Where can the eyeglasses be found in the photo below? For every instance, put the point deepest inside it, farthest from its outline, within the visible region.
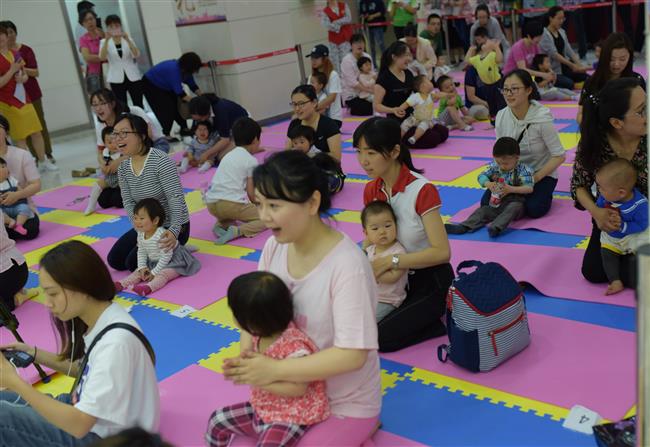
(296, 105)
(510, 91)
(121, 134)
(98, 104)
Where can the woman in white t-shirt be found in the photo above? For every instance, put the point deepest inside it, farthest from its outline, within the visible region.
(334, 297)
(116, 390)
(320, 61)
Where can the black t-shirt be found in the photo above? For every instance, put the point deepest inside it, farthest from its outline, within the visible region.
(396, 91)
(372, 7)
(559, 43)
(226, 112)
(326, 128)
(590, 89)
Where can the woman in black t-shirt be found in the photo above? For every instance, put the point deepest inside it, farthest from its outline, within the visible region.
(395, 81)
(328, 133)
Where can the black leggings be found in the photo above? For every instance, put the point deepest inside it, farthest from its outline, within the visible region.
(124, 254)
(164, 105)
(592, 263)
(110, 198)
(133, 87)
(418, 318)
(12, 280)
(31, 225)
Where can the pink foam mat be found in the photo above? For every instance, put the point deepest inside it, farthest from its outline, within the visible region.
(564, 178)
(273, 139)
(564, 112)
(554, 271)
(193, 179)
(353, 230)
(67, 198)
(350, 164)
(351, 198)
(445, 170)
(50, 233)
(567, 363)
(460, 147)
(203, 222)
(562, 218)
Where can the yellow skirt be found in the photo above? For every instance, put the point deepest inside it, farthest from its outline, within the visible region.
(22, 121)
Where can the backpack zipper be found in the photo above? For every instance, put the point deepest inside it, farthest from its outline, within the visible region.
(494, 332)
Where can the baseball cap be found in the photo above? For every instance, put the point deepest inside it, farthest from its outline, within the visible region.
(319, 51)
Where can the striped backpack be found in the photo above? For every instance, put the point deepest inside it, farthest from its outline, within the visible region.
(486, 317)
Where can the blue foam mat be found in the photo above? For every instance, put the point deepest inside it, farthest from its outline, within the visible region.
(524, 237)
(110, 229)
(456, 199)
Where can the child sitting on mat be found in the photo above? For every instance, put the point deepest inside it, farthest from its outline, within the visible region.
(302, 139)
(380, 227)
(155, 266)
(546, 89)
(231, 193)
(452, 112)
(280, 413)
(509, 180)
(367, 77)
(106, 191)
(422, 102)
(319, 81)
(616, 182)
(19, 212)
(204, 139)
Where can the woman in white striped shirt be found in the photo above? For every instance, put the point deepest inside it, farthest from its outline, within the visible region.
(146, 173)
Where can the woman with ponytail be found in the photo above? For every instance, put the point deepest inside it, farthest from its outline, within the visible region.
(613, 126)
(419, 228)
(146, 173)
(117, 389)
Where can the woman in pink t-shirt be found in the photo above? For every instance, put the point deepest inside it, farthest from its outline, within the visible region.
(524, 50)
(89, 47)
(334, 300)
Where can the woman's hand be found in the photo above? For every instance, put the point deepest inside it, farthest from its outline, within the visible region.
(607, 220)
(167, 241)
(9, 198)
(382, 265)
(400, 113)
(145, 274)
(251, 368)
(9, 378)
(24, 347)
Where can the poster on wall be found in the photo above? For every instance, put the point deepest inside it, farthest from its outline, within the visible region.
(194, 12)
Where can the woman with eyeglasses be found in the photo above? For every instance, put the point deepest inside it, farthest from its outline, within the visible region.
(614, 125)
(146, 173)
(305, 105)
(531, 124)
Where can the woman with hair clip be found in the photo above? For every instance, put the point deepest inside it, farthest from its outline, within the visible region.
(420, 230)
(616, 61)
(146, 173)
(614, 125)
(116, 389)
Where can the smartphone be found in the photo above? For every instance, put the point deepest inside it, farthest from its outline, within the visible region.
(19, 358)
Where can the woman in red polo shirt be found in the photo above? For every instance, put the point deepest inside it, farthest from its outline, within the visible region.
(419, 228)
(336, 18)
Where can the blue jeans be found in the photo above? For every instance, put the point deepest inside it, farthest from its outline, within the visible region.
(538, 203)
(376, 36)
(23, 426)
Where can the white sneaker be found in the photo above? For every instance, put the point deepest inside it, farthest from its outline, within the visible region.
(47, 165)
(468, 128)
(411, 140)
(204, 167)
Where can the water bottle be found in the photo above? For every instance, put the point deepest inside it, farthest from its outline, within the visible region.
(495, 197)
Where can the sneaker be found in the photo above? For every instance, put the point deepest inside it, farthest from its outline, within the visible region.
(468, 128)
(20, 229)
(231, 233)
(51, 158)
(453, 228)
(218, 231)
(411, 140)
(47, 165)
(204, 167)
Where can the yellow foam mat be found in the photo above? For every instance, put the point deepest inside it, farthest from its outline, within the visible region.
(569, 140)
(58, 384)
(439, 157)
(348, 216)
(469, 180)
(194, 201)
(34, 257)
(582, 245)
(227, 251)
(76, 219)
(214, 362)
(217, 313)
(388, 381)
(86, 181)
(630, 413)
(160, 305)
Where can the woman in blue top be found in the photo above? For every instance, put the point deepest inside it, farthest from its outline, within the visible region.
(163, 85)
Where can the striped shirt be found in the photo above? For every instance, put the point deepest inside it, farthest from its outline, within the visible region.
(149, 250)
(158, 180)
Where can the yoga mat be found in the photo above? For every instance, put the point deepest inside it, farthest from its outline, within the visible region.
(564, 112)
(273, 140)
(35, 327)
(102, 248)
(351, 198)
(348, 127)
(188, 398)
(446, 170)
(353, 230)
(564, 174)
(461, 147)
(567, 363)
(50, 233)
(256, 242)
(66, 198)
(193, 179)
(562, 218)
(554, 271)
(350, 164)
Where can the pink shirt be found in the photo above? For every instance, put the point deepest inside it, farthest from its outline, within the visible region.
(8, 251)
(395, 293)
(335, 306)
(520, 52)
(92, 43)
(22, 167)
(308, 409)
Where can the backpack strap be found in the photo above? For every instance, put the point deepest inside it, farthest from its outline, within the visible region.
(467, 264)
(521, 136)
(135, 331)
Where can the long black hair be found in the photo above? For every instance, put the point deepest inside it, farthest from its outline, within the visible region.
(396, 49)
(139, 126)
(106, 95)
(602, 74)
(382, 135)
(613, 101)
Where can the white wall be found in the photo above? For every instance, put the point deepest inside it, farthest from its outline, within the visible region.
(160, 27)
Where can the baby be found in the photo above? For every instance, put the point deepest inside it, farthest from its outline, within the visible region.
(380, 227)
(616, 182)
(14, 215)
(453, 113)
(548, 92)
(109, 154)
(302, 139)
(367, 77)
(508, 180)
(319, 81)
(204, 139)
(422, 102)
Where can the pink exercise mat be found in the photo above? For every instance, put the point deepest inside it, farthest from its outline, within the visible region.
(445, 170)
(567, 363)
(564, 178)
(50, 233)
(564, 112)
(350, 164)
(353, 230)
(193, 179)
(562, 218)
(554, 271)
(273, 140)
(203, 222)
(72, 198)
(351, 198)
(461, 147)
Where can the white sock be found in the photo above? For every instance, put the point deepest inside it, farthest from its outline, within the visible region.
(412, 140)
(205, 166)
(92, 200)
(185, 163)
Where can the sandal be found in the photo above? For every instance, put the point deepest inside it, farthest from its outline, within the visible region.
(77, 173)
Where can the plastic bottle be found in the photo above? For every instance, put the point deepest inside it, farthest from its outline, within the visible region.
(495, 197)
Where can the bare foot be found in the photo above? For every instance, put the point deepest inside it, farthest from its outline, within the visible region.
(615, 287)
(25, 295)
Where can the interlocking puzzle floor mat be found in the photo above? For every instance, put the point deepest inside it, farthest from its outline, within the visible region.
(583, 343)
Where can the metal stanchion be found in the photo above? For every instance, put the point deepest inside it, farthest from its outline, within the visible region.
(445, 27)
(643, 359)
(513, 18)
(212, 65)
(613, 16)
(301, 64)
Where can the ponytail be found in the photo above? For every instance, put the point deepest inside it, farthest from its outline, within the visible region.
(396, 49)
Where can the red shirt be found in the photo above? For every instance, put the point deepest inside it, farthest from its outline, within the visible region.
(8, 90)
(346, 31)
(31, 86)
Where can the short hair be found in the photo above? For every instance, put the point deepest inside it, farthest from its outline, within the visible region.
(84, 13)
(442, 79)
(200, 105)
(434, 16)
(205, 123)
(4, 29)
(357, 37)
(619, 172)
(111, 19)
(84, 5)
(417, 82)
(245, 130)
(320, 77)
(362, 60)
(482, 7)
(533, 29)
(190, 63)
(411, 30)
(553, 11)
(600, 43)
(374, 208)
(505, 146)
(306, 132)
(10, 25)
(153, 208)
(261, 303)
(481, 31)
(538, 60)
(106, 131)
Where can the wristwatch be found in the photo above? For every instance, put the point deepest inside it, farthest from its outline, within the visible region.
(395, 261)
